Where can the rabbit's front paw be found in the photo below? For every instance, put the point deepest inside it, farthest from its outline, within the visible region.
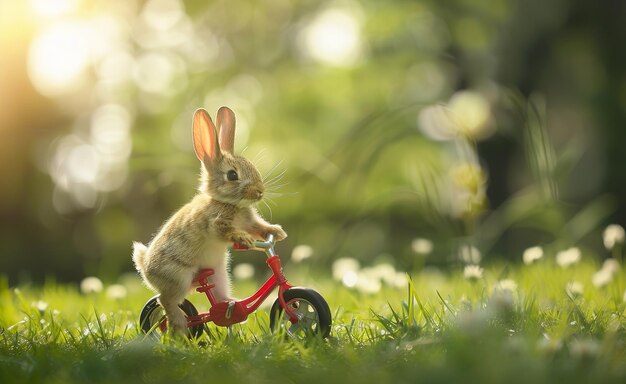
(277, 231)
(243, 238)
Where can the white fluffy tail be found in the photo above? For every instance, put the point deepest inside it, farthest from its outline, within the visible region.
(139, 256)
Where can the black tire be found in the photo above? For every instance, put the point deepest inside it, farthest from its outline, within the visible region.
(307, 304)
(153, 322)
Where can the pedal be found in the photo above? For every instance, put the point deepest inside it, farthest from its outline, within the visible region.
(229, 310)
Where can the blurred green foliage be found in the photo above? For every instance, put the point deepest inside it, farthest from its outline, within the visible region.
(95, 142)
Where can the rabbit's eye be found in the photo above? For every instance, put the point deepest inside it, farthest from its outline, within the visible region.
(232, 175)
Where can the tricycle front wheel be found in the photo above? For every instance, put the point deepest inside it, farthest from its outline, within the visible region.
(154, 323)
(312, 311)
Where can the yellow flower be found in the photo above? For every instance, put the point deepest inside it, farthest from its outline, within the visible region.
(469, 176)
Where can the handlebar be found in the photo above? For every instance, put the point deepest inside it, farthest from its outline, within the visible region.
(269, 242)
(267, 245)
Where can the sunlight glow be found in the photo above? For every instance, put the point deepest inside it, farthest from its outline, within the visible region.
(53, 8)
(163, 14)
(110, 131)
(163, 24)
(334, 38)
(155, 72)
(83, 163)
(82, 166)
(59, 58)
(115, 67)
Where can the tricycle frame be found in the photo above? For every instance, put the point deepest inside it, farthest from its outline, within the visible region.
(226, 313)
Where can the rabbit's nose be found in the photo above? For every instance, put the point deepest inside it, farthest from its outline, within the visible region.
(255, 193)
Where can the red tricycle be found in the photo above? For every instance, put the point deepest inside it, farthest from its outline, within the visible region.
(300, 312)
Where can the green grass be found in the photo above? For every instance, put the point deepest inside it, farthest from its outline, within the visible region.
(452, 331)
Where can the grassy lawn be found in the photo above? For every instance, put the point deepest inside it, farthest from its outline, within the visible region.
(529, 324)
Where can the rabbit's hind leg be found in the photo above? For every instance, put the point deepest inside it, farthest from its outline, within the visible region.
(170, 298)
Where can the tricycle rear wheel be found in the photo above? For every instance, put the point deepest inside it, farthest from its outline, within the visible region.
(153, 321)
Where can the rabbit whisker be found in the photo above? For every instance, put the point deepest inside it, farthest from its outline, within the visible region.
(275, 179)
(284, 193)
(268, 207)
(261, 152)
(269, 173)
(271, 201)
(261, 156)
(259, 160)
(271, 194)
(275, 187)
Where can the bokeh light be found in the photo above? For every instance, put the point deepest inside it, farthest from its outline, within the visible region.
(334, 37)
(59, 58)
(53, 8)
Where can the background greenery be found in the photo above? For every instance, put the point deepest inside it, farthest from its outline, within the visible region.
(473, 146)
(97, 100)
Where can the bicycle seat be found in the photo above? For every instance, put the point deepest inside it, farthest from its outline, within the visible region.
(203, 275)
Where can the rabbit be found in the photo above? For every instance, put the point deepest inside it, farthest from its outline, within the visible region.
(221, 213)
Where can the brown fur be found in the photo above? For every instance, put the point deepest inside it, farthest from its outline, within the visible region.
(197, 236)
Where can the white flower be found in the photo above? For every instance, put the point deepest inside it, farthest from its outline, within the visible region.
(350, 278)
(116, 292)
(506, 285)
(91, 285)
(469, 254)
(367, 282)
(384, 272)
(473, 272)
(613, 234)
(301, 252)
(611, 265)
(568, 257)
(364, 281)
(532, 254)
(422, 246)
(243, 271)
(401, 280)
(466, 114)
(605, 275)
(601, 278)
(40, 305)
(436, 123)
(345, 265)
(574, 288)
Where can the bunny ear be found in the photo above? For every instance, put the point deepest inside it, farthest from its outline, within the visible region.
(226, 128)
(205, 137)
